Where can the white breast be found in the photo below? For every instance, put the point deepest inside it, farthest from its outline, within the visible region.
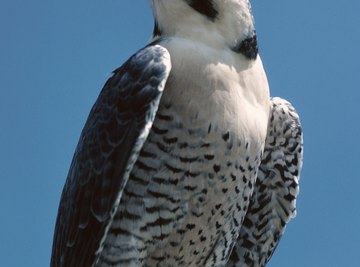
(215, 83)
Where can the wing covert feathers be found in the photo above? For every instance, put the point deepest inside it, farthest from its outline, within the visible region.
(273, 201)
(113, 135)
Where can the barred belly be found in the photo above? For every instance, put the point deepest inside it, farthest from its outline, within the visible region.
(186, 196)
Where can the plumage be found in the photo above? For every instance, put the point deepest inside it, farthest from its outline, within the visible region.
(113, 135)
(184, 159)
(273, 202)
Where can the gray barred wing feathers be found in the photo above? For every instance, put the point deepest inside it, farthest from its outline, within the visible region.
(273, 201)
(113, 135)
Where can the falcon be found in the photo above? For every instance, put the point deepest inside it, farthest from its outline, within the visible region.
(185, 159)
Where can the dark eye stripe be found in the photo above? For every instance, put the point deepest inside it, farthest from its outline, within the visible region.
(248, 47)
(205, 7)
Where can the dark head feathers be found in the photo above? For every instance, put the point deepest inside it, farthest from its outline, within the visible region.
(204, 7)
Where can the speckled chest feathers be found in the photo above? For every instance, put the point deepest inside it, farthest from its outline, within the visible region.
(189, 190)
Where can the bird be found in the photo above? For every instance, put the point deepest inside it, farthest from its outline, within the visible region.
(185, 158)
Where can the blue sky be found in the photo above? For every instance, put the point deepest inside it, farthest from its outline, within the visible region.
(56, 55)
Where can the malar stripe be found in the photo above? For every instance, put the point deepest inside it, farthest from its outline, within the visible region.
(248, 47)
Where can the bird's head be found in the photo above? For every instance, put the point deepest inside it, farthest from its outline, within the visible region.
(228, 22)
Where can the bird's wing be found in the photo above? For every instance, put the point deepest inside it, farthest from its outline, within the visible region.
(273, 201)
(113, 135)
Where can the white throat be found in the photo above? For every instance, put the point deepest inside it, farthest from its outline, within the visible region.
(233, 23)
